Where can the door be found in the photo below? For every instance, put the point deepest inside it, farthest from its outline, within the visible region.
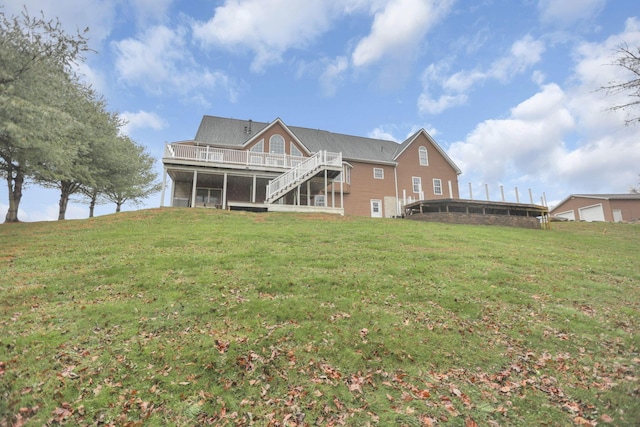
(617, 215)
(376, 208)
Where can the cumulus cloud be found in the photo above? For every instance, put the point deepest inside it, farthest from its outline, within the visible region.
(333, 75)
(159, 61)
(564, 138)
(398, 28)
(141, 120)
(523, 54)
(268, 28)
(563, 14)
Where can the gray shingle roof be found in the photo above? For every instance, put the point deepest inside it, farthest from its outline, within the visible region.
(233, 133)
(624, 196)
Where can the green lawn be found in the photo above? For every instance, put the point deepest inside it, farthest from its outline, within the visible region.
(203, 317)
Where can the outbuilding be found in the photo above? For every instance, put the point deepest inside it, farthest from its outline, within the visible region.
(599, 207)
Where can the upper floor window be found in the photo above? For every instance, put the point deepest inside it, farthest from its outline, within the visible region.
(437, 187)
(294, 150)
(258, 148)
(378, 173)
(424, 157)
(276, 144)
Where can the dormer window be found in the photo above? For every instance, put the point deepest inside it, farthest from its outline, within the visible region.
(424, 157)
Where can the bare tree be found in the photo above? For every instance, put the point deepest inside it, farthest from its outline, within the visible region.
(629, 59)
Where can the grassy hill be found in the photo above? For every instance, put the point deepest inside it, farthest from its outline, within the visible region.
(203, 317)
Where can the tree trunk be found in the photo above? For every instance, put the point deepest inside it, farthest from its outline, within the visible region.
(92, 203)
(118, 206)
(65, 192)
(14, 184)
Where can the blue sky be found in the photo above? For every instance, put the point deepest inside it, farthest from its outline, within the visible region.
(509, 88)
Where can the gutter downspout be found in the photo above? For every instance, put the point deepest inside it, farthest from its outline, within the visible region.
(395, 177)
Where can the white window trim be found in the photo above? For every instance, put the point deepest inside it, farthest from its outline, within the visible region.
(437, 182)
(279, 138)
(424, 161)
(294, 151)
(381, 173)
(258, 147)
(419, 182)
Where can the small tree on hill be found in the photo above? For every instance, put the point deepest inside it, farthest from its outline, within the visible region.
(35, 79)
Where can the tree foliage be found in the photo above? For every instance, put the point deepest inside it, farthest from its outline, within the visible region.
(628, 59)
(57, 131)
(36, 81)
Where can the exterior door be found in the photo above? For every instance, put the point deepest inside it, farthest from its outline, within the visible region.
(376, 208)
(617, 215)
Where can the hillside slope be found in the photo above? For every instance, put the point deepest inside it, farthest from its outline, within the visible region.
(203, 317)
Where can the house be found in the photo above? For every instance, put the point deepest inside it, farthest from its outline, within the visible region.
(599, 207)
(243, 164)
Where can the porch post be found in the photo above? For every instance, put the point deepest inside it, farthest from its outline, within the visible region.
(253, 195)
(224, 192)
(193, 188)
(309, 193)
(342, 194)
(164, 185)
(298, 195)
(325, 189)
(333, 194)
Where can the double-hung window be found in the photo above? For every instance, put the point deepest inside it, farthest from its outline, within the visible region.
(417, 184)
(437, 187)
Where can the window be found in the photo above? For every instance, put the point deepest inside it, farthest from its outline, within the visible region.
(318, 200)
(417, 184)
(294, 151)
(424, 157)
(276, 144)
(257, 159)
(378, 173)
(437, 187)
(258, 148)
(346, 172)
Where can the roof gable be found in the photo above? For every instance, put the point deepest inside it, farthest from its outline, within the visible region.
(240, 133)
(401, 149)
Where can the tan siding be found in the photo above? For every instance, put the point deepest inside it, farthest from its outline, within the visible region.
(288, 139)
(630, 208)
(364, 188)
(409, 166)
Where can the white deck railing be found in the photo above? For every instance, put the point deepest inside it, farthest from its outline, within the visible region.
(235, 157)
(321, 158)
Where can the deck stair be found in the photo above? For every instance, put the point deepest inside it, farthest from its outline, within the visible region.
(304, 171)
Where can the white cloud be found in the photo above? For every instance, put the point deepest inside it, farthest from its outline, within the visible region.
(268, 28)
(563, 14)
(523, 53)
(333, 75)
(74, 15)
(141, 120)
(159, 61)
(398, 28)
(380, 133)
(564, 139)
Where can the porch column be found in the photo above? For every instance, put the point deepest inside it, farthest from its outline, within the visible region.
(193, 188)
(298, 195)
(164, 185)
(342, 194)
(253, 195)
(333, 194)
(326, 190)
(309, 193)
(224, 192)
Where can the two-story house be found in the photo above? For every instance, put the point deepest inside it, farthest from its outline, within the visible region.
(243, 164)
